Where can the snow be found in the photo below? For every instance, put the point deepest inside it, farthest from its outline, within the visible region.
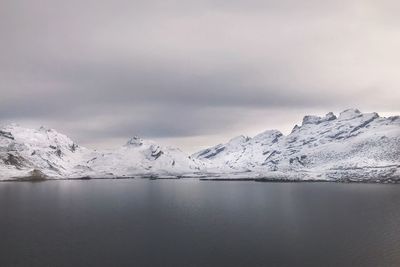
(24, 150)
(353, 146)
(321, 148)
(145, 158)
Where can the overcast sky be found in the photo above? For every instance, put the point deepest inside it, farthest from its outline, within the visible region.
(193, 73)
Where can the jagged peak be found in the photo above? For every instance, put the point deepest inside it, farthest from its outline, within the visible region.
(268, 133)
(239, 139)
(330, 116)
(134, 141)
(311, 119)
(394, 118)
(17, 127)
(295, 128)
(349, 113)
(46, 129)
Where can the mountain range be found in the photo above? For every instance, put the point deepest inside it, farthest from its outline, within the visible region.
(353, 146)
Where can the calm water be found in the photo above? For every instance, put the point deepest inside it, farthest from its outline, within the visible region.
(198, 223)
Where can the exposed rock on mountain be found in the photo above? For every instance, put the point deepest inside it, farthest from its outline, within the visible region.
(145, 158)
(353, 146)
(25, 153)
(23, 150)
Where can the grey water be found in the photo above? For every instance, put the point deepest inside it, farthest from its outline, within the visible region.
(141, 222)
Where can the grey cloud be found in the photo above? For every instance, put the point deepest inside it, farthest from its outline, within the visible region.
(189, 68)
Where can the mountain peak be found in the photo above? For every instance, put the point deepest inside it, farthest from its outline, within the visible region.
(349, 114)
(310, 119)
(134, 141)
(330, 116)
(44, 129)
(239, 139)
(268, 134)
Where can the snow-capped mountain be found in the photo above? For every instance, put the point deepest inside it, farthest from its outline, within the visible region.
(25, 152)
(45, 153)
(352, 146)
(142, 157)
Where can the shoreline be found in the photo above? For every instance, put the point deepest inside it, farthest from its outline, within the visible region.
(203, 179)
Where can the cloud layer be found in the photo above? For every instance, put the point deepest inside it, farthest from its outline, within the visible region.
(102, 71)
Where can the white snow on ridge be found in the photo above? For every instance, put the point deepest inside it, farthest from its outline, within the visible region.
(23, 150)
(353, 146)
(140, 157)
(45, 153)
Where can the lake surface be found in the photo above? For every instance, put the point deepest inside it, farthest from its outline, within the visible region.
(141, 222)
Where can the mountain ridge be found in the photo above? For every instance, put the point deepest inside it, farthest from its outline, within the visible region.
(352, 146)
(328, 148)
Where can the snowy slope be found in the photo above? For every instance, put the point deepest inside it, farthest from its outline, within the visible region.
(24, 150)
(45, 153)
(142, 157)
(351, 146)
